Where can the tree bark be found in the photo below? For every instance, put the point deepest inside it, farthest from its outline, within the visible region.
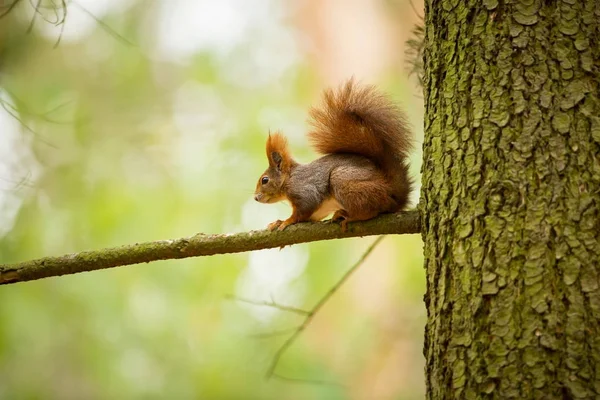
(510, 199)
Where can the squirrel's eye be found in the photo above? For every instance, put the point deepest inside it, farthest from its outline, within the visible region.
(264, 180)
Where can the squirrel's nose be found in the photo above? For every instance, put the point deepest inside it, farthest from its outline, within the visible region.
(257, 197)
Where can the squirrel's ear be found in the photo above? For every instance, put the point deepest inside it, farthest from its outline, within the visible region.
(277, 159)
(277, 152)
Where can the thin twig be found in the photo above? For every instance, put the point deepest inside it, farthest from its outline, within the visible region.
(36, 11)
(271, 303)
(20, 107)
(22, 182)
(317, 307)
(10, 7)
(56, 108)
(12, 111)
(205, 245)
(104, 25)
(412, 5)
(61, 22)
(267, 335)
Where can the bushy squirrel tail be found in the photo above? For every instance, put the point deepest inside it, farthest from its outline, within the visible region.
(358, 119)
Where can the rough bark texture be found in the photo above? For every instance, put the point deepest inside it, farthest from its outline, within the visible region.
(204, 245)
(510, 199)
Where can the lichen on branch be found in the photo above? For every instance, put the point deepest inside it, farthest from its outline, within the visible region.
(204, 245)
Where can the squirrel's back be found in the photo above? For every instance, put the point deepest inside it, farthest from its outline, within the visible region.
(358, 119)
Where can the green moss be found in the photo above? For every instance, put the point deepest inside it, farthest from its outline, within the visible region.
(508, 192)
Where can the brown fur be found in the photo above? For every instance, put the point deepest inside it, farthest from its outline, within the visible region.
(360, 120)
(366, 143)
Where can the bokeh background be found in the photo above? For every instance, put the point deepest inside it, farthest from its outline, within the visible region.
(146, 121)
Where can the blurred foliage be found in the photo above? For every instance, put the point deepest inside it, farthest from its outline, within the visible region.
(118, 142)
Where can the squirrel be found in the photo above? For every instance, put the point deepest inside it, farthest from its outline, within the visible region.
(363, 172)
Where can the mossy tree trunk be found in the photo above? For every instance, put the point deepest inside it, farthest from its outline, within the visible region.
(510, 199)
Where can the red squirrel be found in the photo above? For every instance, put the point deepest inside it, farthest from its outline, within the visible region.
(363, 172)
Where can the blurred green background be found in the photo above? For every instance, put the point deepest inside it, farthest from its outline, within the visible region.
(147, 121)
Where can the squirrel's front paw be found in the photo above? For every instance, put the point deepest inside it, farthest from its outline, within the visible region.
(274, 225)
(285, 224)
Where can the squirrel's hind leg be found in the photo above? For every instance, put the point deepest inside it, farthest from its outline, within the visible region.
(343, 218)
(362, 200)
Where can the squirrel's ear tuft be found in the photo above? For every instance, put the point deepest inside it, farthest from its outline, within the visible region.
(277, 152)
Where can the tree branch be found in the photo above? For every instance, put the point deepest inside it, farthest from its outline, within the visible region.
(204, 245)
